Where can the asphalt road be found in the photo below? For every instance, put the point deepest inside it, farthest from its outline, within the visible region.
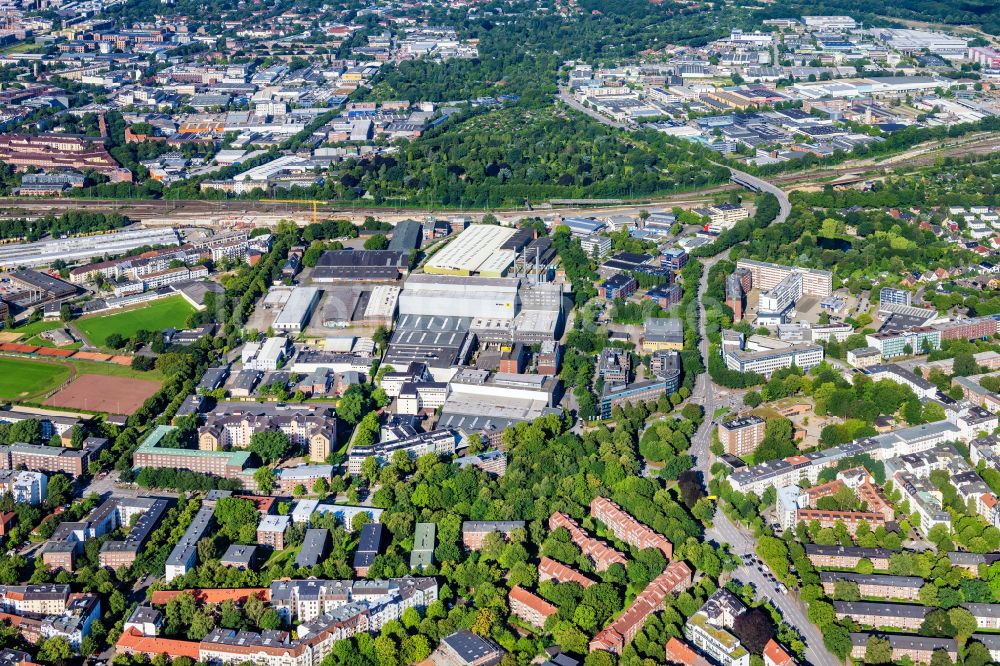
(723, 530)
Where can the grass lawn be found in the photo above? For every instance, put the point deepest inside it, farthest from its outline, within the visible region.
(39, 341)
(34, 328)
(171, 312)
(21, 379)
(111, 370)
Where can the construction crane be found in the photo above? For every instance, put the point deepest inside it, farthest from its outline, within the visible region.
(314, 203)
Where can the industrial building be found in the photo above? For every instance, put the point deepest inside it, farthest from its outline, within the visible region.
(297, 310)
(479, 250)
(493, 298)
(76, 248)
(361, 266)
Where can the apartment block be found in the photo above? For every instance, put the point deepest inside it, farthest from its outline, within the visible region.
(474, 532)
(874, 585)
(549, 569)
(627, 528)
(614, 637)
(708, 629)
(602, 555)
(741, 436)
(530, 607)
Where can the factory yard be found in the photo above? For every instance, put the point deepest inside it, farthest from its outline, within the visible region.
(22, 379)
(171, 312)
(102, 393)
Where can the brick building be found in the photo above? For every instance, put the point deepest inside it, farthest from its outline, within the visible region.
(614, 637)
(627, 528)
(530, 607)
(602, 555)
(549, 569)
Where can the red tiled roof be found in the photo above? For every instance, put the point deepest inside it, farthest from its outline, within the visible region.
(213, 595)
(533, 601)
(133, 641)
(550, 569)
(775, 655)
(679, 652)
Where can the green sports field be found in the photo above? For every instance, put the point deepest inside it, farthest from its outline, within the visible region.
(26, 380)
(170, 312)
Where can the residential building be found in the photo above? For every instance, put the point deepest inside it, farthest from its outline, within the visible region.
(232, 425)
(627, 528)
(530, 607)
(874, 585)
(602, 555)
(918, 649)
(620, 632)
(475, 531)
(549, 569)
(708, 629)
(741, 436)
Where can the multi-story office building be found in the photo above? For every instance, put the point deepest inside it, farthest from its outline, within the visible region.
(414, 444)
(782, 296)
(916, 340)
(980, 328)
(888, 295)
(804, 356)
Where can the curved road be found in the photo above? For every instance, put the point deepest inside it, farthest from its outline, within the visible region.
(761, 185)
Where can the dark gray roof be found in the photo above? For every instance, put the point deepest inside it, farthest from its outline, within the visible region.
(313, 548)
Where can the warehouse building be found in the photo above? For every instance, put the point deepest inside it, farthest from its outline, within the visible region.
(361, 266)
(297, 310)
(479, 250)
(492, 298)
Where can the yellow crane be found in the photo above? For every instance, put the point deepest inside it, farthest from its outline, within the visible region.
(314, 203)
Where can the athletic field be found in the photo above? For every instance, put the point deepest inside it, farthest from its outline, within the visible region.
(171, 312)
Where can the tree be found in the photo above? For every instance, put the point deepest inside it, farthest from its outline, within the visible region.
(754, 628)
(270, 445)
(321, 487)
(352, 405)
(232, 514)
(752, 399)
(115, 341)
(60, 490)
(878, 651)
(964, 623)
(269, 619)
(55, 650)
(937, 623)
(376, 242)
(940, 658)
(264, 478)
(837, 640)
